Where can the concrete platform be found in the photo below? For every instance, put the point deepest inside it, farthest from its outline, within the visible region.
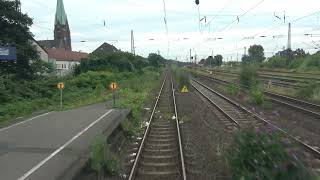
(53, 145)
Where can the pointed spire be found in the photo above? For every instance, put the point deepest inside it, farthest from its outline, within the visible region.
(61, 16)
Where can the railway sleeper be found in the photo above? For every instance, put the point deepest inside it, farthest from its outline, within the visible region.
(161, 175)
(160, 145)
(161, 132)
(161, 140)
(160, 159)
(149, 151)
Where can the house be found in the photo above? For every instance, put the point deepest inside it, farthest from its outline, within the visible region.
(65, 60)
(105, 47)
(42, 52)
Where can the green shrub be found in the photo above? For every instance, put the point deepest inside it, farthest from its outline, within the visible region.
(233, 90)
(115, 61)
(103, 161)
(276, 61)
(182, 78)
(256, 95)
(249, 76)
(310, 92)
(21, 97)
(308, 62)
(260, 155)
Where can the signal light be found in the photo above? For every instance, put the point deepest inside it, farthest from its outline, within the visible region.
(197, 2)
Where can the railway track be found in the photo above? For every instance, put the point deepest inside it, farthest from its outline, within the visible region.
(265, 79)
(160, 154)
(282, 77)
(236, 116)
(303, 106)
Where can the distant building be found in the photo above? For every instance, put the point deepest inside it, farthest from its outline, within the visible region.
(105, 47)
(289, 52)
(62, 38)
(65, 60)
(42, 52)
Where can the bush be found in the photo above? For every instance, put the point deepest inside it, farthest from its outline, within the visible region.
(249, 76)
(311, 92)
(307, 62)
(114, 62)
(233, 90)
(103, 161)
(256, 95)
(276, 62)
(182, 78)
(260, 155)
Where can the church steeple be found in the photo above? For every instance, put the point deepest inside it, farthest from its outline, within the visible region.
(61, 16)
(61, 28)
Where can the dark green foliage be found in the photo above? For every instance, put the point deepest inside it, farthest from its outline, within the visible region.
(305, 62)
(256, 95)
(21, 97)
(233, 90)
(116, 61)
(212, 61)
(310, 92)
(102, 159)
(261, 155)
(249, 80)
(249, 76)
(218, 58)
(182, 78)
(256, 55)
(156, 60)
(15, 31)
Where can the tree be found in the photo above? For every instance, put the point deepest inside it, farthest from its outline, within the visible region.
(218, 59)
(155, 59)
(256, 53)
(202, 61)
(245, 59)
(209, 61)
(15, 32)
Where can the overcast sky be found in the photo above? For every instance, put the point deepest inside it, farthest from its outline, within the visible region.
(146, 17)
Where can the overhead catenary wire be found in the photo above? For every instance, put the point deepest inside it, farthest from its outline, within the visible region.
(166, 26)
(278, 25)
(240, 16)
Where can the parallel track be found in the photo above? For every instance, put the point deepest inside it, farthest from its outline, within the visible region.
(266, 79)
(242, 117)
(160, 155)
(288, 78)
(303, 106)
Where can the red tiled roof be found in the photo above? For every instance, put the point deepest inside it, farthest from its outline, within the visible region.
(65, 55)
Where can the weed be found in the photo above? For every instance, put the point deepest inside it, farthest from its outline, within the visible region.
(256, 95)
(103, 161)
(262, 155)
(25, 97)
(249, 76)
(233, 90)
(310, 92)
(182, 78)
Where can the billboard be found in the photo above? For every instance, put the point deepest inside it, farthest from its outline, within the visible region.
(8, 53)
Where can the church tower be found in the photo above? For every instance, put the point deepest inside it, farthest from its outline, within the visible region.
(62, 39)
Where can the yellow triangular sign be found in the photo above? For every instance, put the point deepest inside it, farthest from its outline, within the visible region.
(184, 89)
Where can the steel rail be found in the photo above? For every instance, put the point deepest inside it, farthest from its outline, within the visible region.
(265, 80)
(217, 106)
(298, 101)
(179, 134)
(135, 165)
(311, 149)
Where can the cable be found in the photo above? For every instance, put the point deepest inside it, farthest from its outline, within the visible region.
(255, 6)
(166, 25)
